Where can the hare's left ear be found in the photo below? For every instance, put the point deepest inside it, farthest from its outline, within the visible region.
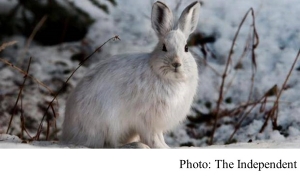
(188, 20)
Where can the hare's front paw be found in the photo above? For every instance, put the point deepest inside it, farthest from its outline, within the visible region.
(154, 140)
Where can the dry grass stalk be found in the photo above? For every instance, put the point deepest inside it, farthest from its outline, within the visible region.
(229, 60)
(27, 75)
(19, 95)
(238, 65)
(22, 118)
(32, 35)
(273, 114)
(255, 42)
(40, 128)
(4, 45)
(261, 101)
(240, 110)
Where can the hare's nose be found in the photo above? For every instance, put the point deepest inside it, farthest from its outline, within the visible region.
(176, 64)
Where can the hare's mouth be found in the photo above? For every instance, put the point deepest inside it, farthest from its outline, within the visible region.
(178, 73)
(176, 70)
(172, 72)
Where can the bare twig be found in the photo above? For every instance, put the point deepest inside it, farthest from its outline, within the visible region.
(22, 118)
(27, 75)
(244, 116)
(4, 45)
(262, 101)
(19, 95)
(220, 99)
(65, 83)
(239, 63)
(32, 35)
(35, 30)
(275, 109)
(255, 42)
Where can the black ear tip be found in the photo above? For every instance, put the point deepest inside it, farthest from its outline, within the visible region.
(159, 3)
(195, 3)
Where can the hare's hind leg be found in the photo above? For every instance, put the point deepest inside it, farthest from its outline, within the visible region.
(162, 140)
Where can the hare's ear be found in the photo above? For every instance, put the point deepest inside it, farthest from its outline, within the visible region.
(161, 18)
(188, 20)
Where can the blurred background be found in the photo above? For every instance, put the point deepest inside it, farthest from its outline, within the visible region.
(58, 34)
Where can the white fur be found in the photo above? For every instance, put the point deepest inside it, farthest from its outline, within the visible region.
(133, 96)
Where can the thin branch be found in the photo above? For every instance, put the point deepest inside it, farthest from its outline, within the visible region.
(239, 62)
(255, 42)
(19, 95)
(27, 75)
(4, 45)
(220, 99)
(22, 118)
(66, 82)
(32, 35)
(244, 116)
(274, 110)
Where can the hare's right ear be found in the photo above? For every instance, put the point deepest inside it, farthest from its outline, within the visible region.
(189, 18)
(162, 19)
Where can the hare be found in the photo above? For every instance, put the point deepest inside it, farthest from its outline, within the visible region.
(137, 97)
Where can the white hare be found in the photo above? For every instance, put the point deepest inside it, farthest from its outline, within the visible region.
(137, 96)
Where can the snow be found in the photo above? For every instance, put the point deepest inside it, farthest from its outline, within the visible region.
(292, 142)
(10, 141)
(278, 28)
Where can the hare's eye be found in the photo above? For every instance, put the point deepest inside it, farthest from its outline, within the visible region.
(186, 48)
(164, 48)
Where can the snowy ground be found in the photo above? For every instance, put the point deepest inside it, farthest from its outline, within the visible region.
(9, 141)
(278, 28)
